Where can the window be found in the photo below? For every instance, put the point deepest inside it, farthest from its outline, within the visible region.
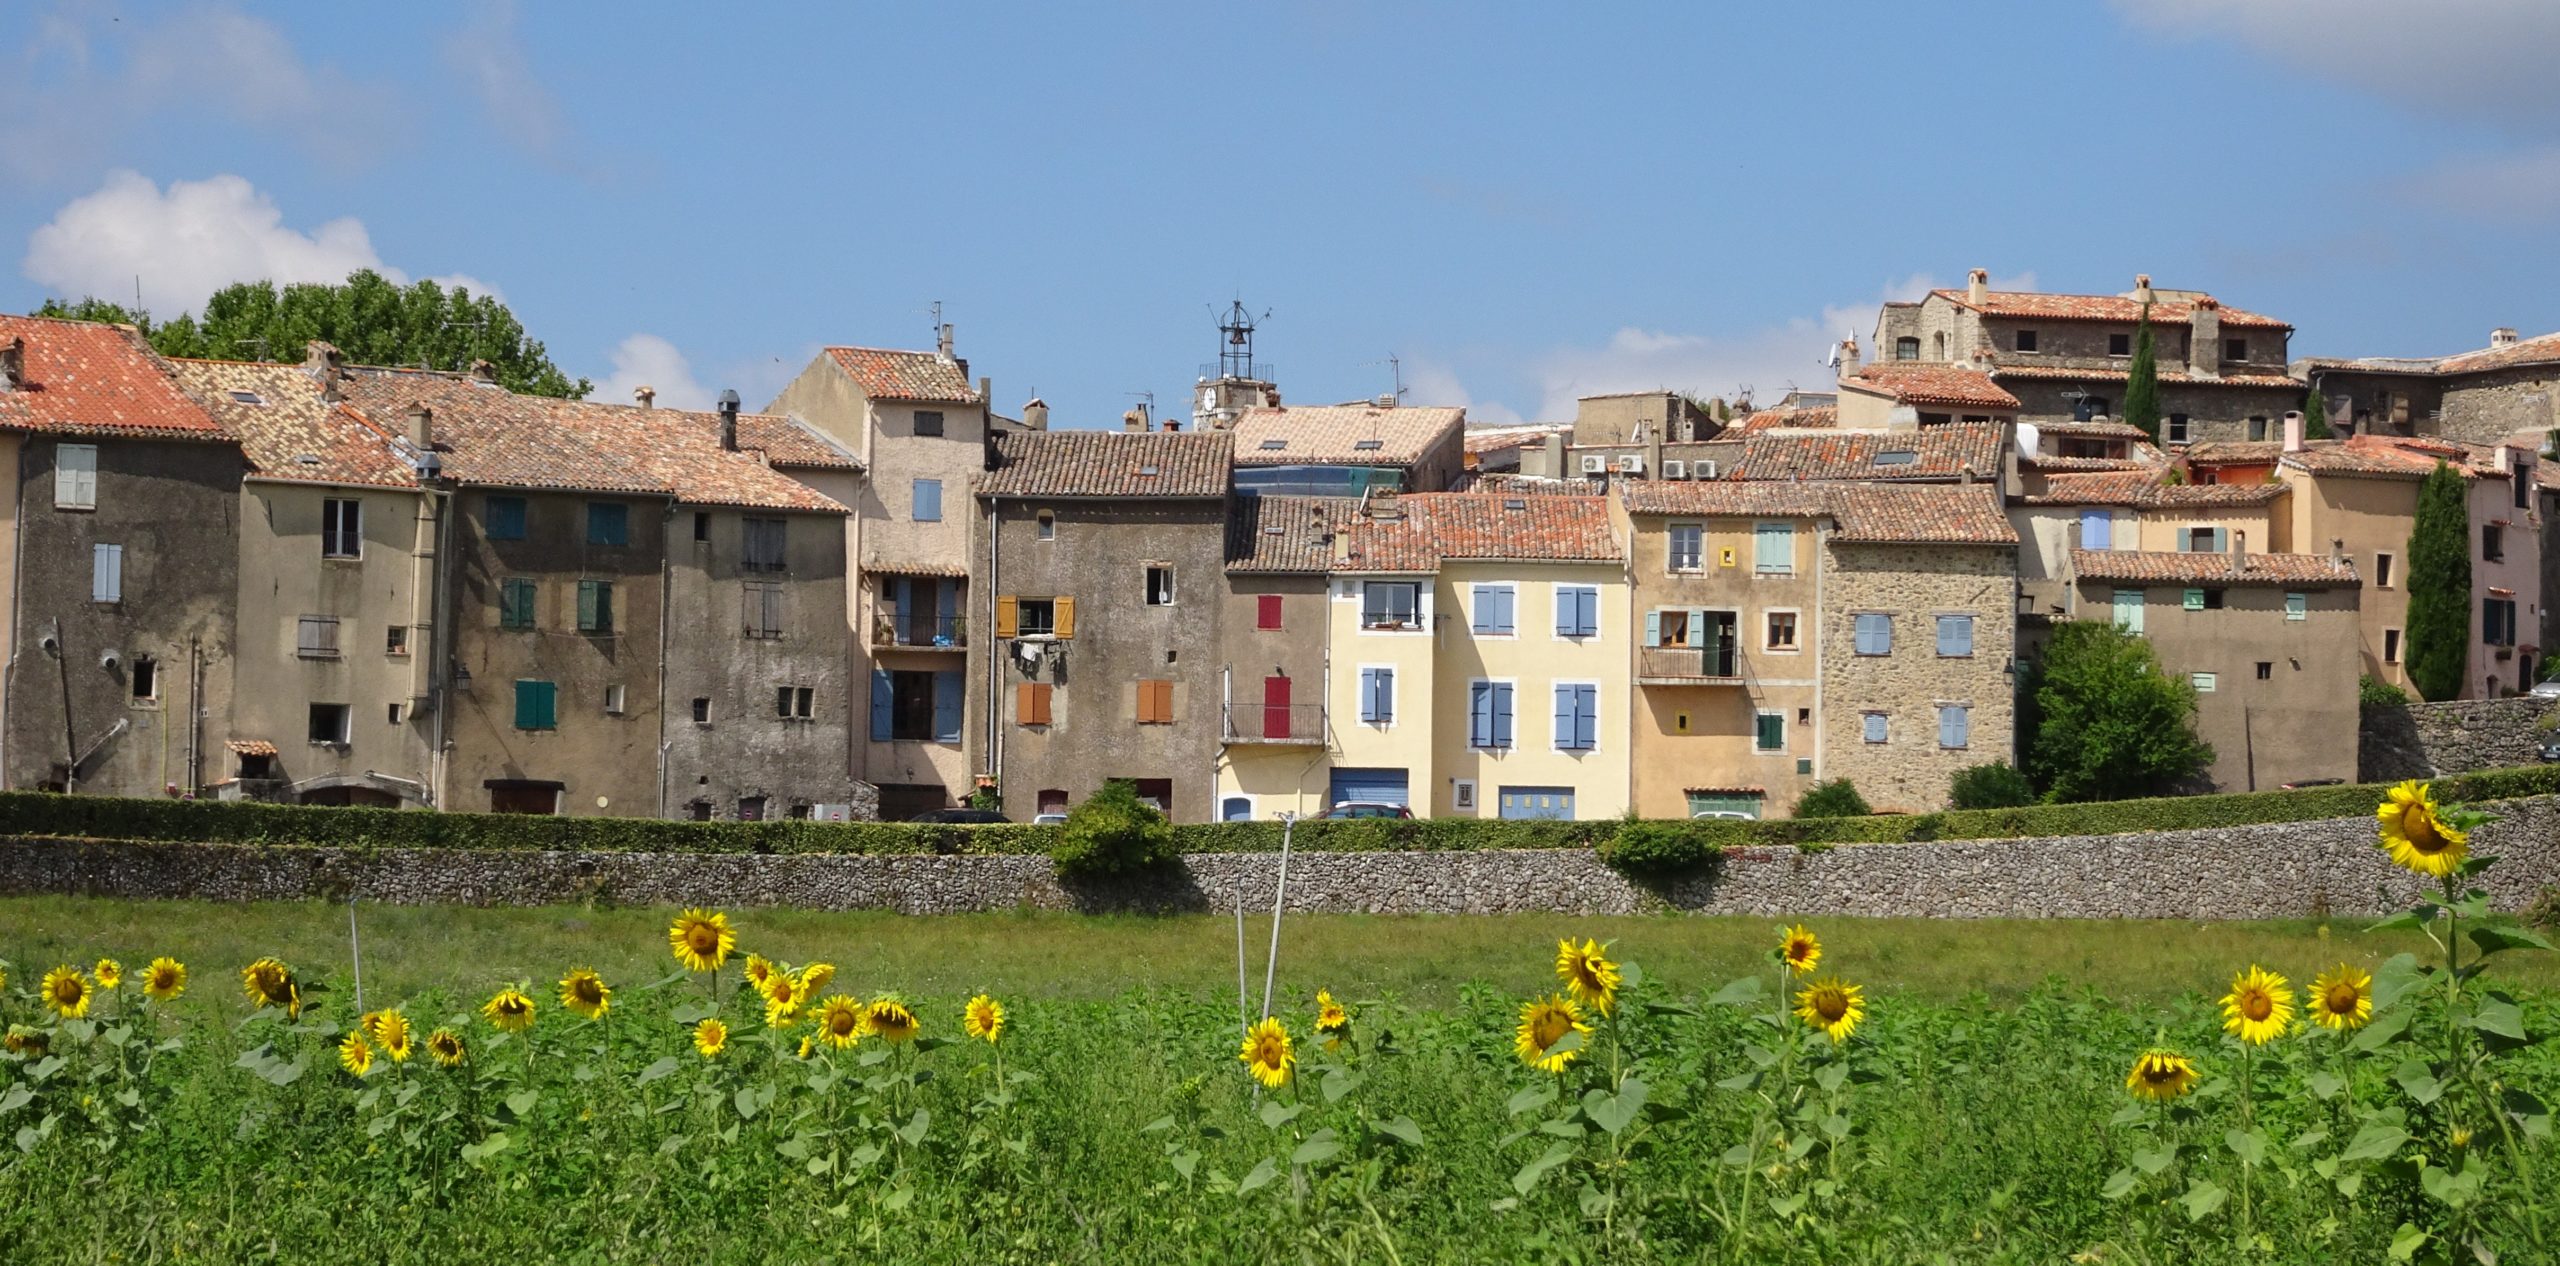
(2205, 540)
(106, 573)
(1377, 696)
(1034, 617)
(341, 528)
(2257, 428)
(763, 614)
(2235, 349)
(761, 544)
(2026, 341)
(1235, 809)
(928, 421)
(329, 724)
(1160, 586)
(702, 525)
(2498, 621)
(2085, 409)
(2176, 430)
(1906, 348)
(1955, 636)
(1155, 701)
(2382, 571)
(75, 477)
(536, 705)
(1871, 726)
(1390, 604)
(2202, 600)
(2297, 606)
(2203, 682)
(1955, 725)
(613, 697)
(1489, 714)
(916, 706)
(2128, 610)
(2493, 543)
(1031, 703)
(2119, 345)
(1896, 457)
(316, 637)
(924, 501)
(1874, 634)
(1266, 611)
(393, 712)
(2391, 646)
(751, 808)
(1782, 631)
(1769, 732)
(2266, 670)
(1045, 527)
(1577, 611)
(2097, 529)
(2522, 481)
(1462, 794)
(698, 810)
(1493, 610)
(395, 640)
(515, 603)
(146, 680)
(1577, 716)
(702, 709)
(595, 606)
(1773, 548)
(794, 703)
(1688, 544)
(608, 523)
(502, 518)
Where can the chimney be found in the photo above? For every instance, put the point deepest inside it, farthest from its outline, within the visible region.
(1555, 455)
(1849, 356)
(422, 428)
(2503, 336)
(13, 363)
(2142, 288)
(484, 373)
(945, 349)
(2239, 550)
(2293, 424)
(1977, 287)
(1035, 415)
(322, 359)
(987, 394)
(1135, 419)
(645, 396)
(729, 420)
(2204, 338)
(2337, 551)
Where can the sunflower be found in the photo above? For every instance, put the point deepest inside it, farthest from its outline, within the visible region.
(2160, 1075)
(702, 939)
(2417, 835)
(109, 972)
(1799, 949)
(1833, 1006)
(585, 992)
(509, 1009)
(2342, 997)
(2259, 1007)
(269, 983)
(782, 1002)
(1544, 1022)
(760, 972)
(446, 1046)
(1266, 1055)
(840, 1021)
(32, 1043)
(814, 979)
(709, 1037)
(67, 992)
(391, 1030)
(1333, 1020)
(1591, 979)
(164, 979)
(808, 1043)
(355, 1054)
(983, 1018)
(890, 1019)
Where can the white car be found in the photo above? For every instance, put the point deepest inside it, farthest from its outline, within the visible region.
(1050, 819)
(2546, 690)
(1724, 815)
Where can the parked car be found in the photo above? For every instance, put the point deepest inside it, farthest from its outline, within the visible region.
(1049, 819)
(2550, 750)
(1367, 809)
(1722, 815)
(2546, 689)
(961, 817)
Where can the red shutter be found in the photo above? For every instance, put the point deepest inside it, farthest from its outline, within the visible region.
(1270, 612)
(1275, 705)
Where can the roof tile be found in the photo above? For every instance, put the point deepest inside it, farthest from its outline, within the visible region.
(1284, 534)
(1922, 382)
(1108, 464)
(1343, 434)
(2057, 307)
(86, 378)
(289, 431)
(1867, 513)
(923, 377)
(2164, 567)
(1938, 452)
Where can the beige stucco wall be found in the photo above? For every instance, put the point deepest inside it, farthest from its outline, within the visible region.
(1914, 584)
(1406, 742)
(1292, 776)
(2299, 723)
(2499, 670)
(2166, 529)
(2370, 517)
(1535, 660)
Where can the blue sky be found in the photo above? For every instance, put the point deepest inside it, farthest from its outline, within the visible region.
(1519, 202)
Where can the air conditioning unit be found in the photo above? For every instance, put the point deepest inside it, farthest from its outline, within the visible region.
(1631, 465)
(1702, 470)
(1594, 464)
(1675, 469)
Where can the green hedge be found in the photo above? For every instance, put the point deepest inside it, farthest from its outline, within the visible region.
(108, 817)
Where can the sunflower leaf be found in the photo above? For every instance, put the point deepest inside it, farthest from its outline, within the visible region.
(2499, 1018)
(2378, 1139)
(1157, 1126)
(664, 1067)
(2494, 937)
(1740, 993)
(2119, 1184)
(1531, 1099)
(2419, 1081)
(1401, 1129)
(1530, 1174)
(1337, 1083)
(2154, 1160)
(2327, 1084)
(1321, 1146)
(2397, 975)
(1259, 1177)
(2385, 1029)
(1830, 1076)
(2406, 1243)
(2248, 1145)
(912, 1132)
(2202, 1198)
(485, 1148)
(2406, 921)
(17, 1098)
(1614, 1113)
(748, 1104)
(1276, 1114)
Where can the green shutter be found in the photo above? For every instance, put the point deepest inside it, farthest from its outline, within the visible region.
(1773, 732)
(536, 705)
(515, 604)
(2195, 600)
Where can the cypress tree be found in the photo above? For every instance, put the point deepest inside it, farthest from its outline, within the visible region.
(2438, 641)
(2142, 385)
(2315, 415)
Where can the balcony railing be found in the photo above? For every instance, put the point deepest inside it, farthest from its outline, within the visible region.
(920, 632)
(1298, 724)
(1707, 665)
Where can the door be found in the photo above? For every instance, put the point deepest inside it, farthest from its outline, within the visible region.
(1370, 786)
(1275, 707)
(1537, 802)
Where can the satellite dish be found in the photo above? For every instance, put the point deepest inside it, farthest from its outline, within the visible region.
(1831, 359)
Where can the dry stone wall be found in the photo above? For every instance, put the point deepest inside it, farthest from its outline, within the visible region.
(2423, 740)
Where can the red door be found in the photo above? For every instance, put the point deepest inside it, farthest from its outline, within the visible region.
(1275, 707)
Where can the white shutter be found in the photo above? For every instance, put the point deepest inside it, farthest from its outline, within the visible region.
(106, 575)
(75, 475)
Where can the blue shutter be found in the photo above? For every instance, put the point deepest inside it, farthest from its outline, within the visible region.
(947, 700)
(883, 698)
(1480, 714)
(1589, 613)
(1586, 717)
(1653, 628)
(1955, 635)
(901, 590)
(106, 573)
(1565, 727)
(1501, 715)
(946, 613)
(926, 506)
(2097, 529)
(1368, 696)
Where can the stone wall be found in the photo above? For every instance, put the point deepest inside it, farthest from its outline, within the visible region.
(1913, 585)
(2423, 740)
(2289, 869)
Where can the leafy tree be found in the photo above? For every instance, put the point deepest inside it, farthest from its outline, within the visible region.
(2315, 415)
(2142, 383)
(1837, 798)
(2374, 692)
(373, 321)
(2438, 641)
(1997, 785)
(2109, 724)
(1111, 833)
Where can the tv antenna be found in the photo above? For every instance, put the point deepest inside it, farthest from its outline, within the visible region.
(1395, 366)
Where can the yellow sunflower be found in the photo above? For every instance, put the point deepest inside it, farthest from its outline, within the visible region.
(840, 1021)
(269, 983)
(1799, 949)
(164, 979)
(1833, 1006)
(32, 1043)
(760, 972)
(1333, 1020)
(2342, 997)
(702, 939)
(983, 1018)
(509, 1009)
(1544, 1022)
(585, 992)
(355, 1054)
(814, 979)
(709, 1037)
(1266, 1053)
(2259, 1007)
(391, 1031)
(109, 972)
(67, 992)
(890, 1019)
(1590, 978)
(2160, 1075)
(2415, 831)
(446, 1046)
(808, 1043)
(782, 1002)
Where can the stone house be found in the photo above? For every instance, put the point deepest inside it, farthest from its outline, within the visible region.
(1908, 395)
(1634, 435)
(2509, 389)
(123, 515)
(2267, 641)
(1275, 655)
(1104, 599)
(1348, 449)
(1953, 453)
(2129, 510)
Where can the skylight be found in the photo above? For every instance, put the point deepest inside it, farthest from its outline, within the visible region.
(1274, 445)
(1899, 457)
(248, 397)
(1364, 445)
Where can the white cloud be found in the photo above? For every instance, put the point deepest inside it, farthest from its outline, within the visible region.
(464, 281)
(648, 360)
(2485, 61)
(491, 60)
(1428, 382)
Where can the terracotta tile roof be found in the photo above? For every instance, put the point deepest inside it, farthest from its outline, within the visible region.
(1920, 382)
(2065, 373)
(1714, 498)
(790, 444)
(2538, 350)
(251, 747)
(1940, 514)
(1284, 534)
(2093, 430)
(289, 432)
(1513, 484)
(1108, 464)
(2036, 305)
(2391, 457)
(84, 378)
(2235, 452)
(1806, 419)
(2142, 489)
(2125, 566)
(922, 377)
(1938, 452)
(2086, 463)
(874, 563)
(1422, 529)
(1335, 434)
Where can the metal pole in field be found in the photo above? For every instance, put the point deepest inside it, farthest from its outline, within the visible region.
(1279, 895)
(355, 951)
(1244, 1017)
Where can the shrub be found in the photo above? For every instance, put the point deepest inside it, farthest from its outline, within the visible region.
(1661, 848)
(1837, 798)
(1112, 833)
(2109, 724)
(1997, 785)
(2374, 692)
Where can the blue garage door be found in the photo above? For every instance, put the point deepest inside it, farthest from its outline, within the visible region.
(1371, 786)
(1538, 802)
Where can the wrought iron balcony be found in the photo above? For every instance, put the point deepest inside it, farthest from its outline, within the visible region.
(920, 632)
(1285, 724)
(1690, 665)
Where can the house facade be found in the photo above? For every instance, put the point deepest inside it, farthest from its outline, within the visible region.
(1276, 656)
(2510, 388)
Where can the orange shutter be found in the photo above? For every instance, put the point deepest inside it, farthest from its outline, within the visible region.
(1164, 701)
(1031, 703)
(1155, 701)
(1008, 617)
(1066, 618)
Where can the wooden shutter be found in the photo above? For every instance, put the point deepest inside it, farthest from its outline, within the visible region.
(1031, 703)
(949, 700)
(1275, 707)
(884, 688)
(1155, 701)
(1008, 616)
(106, 573)
(1066, 619)
(1268, 615)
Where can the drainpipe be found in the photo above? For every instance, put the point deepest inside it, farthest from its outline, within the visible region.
(70, 742)
(195, 715)
(995, 651)
(439, 647)
(666, 595)
(17, 586)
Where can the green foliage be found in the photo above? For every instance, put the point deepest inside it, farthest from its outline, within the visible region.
(1837, 798)
(2315, 416)
(1660, 848)
(2109, 724)
(1112, 833)
(367, 317)
(2142, 381)
(2437, 645)
(1997, 785)
(2374, 692)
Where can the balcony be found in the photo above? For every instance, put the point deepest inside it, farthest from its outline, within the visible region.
(920, 632)
(1689, 666)
(1275, 724)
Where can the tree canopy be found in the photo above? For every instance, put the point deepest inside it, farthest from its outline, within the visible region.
(2438, 639)
(2108, 723)
(370, 319)
(2142, 381)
